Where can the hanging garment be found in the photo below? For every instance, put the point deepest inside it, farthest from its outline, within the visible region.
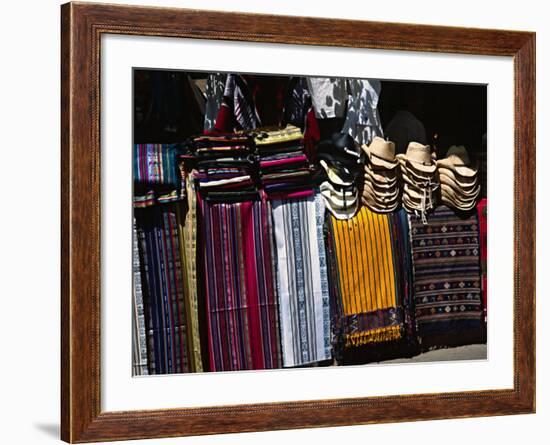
(139, 337)
(482, 217)
(371, 311)
(297, 102)
(243, 331)
(362, 119)
(253, 101)
(356, 100)
(447, 278)
(302, 280)
(187, 229)
(163, 289)
(215, 86)
(328, 96)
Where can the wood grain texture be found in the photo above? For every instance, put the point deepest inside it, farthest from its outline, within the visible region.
(81, 28)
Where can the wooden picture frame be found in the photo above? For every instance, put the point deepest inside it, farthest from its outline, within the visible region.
(82, 26)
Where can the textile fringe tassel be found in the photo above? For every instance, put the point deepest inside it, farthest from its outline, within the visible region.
(374, 336)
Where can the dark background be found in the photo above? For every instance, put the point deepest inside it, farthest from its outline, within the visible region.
(167, 110)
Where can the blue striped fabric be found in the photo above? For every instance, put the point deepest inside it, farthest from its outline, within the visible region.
(156, 164)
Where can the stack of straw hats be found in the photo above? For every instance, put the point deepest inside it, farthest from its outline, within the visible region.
(419, 173)
(458, 179)
(381, 187)
(341, 160)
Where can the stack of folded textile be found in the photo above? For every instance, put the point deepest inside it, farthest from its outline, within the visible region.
(284, 168)
(155, 174)
(381, 188)
(418, 170)
(341, 160)
(458, 179)
(224, 166)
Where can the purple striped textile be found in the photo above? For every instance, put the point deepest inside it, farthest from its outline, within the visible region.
(163, 289)
(241, 299)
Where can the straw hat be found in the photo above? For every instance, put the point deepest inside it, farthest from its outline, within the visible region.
(457, 160)
(450, 195)
(381, 153)
(383, 178)
(378, 192)
(467, 191)
(450, 175)
(464, 206)
(414, 204)
(372, 204)
(418, 158)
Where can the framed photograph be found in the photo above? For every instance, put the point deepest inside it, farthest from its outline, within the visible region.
(274, 222)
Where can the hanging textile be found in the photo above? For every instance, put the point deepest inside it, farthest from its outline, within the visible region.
(302, 280)
(215, 86)
(401, 248)
(328, 96)
(355, 100)
(163, 289)
(367, 279)
(362, 119)
(187, 229)
(243, 331)
(139, 337)
(447, 279)
(482, 217)
(156, 164)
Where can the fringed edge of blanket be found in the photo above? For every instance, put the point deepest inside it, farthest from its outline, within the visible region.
(374, 336)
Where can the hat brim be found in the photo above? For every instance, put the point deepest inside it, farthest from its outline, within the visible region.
(379, 208)
(338, 161)
(381, 202)
(389, 180)
(456, 176)
(452, 188)
(410, 164)
(336, 177)
(342, 214)
(417, 184)
(378, 161)
(457, 199)
(411, 204)
(462, 170)
(347, 192)
(339, 203)
(464, 207)
(380, 193)
(415, 192)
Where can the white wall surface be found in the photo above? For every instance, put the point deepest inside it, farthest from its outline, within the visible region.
(29, 222)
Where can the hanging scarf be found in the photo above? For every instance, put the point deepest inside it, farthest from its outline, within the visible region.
(163, 289)
(367, 279)
(302, 280)
(243, 331)
(187, 229)
(139, 331)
